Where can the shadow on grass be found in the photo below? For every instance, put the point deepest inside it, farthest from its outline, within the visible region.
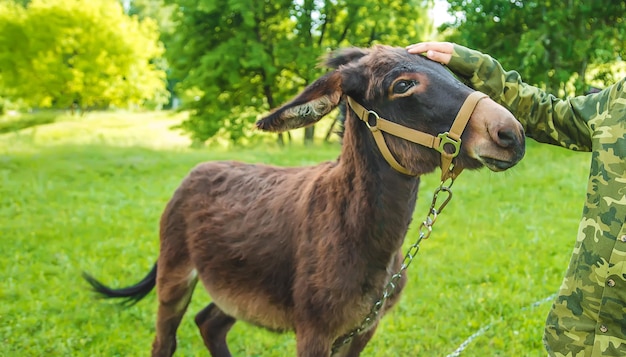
(23, 121)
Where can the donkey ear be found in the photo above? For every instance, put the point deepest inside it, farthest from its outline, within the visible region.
(317, 100)
(344, 56)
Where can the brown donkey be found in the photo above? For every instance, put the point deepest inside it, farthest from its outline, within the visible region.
(310, 249)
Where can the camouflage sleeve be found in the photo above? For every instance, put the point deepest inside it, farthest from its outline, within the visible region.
(545, 117)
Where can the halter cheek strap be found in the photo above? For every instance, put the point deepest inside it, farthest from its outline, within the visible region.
(451, 139)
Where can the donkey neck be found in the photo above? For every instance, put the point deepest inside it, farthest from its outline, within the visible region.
(361, 155)
(385, 198)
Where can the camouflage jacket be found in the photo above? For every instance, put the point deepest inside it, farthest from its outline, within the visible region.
(588, 318)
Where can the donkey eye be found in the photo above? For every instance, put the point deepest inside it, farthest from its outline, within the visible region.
(403, 85)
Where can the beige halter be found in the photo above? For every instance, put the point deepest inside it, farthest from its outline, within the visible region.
(453, 137)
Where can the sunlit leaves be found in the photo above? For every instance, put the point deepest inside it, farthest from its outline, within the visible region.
(85, 53)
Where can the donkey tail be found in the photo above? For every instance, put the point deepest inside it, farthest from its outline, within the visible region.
(131, 294)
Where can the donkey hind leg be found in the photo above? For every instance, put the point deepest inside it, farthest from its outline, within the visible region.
(214, 324)
(175, 284)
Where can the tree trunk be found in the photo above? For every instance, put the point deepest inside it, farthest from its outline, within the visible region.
(309, 134)
(330, 130)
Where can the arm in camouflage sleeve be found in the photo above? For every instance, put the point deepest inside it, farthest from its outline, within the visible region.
(545, 118)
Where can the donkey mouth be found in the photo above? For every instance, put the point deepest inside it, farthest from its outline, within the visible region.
(495, 164)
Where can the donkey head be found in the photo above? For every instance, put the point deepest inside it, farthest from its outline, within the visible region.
(410, 91)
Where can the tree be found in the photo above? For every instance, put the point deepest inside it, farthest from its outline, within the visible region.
(12, 38)
(20, 2)
(151, 9)
(551, 43)
(161, 14)
(84, 53)
(239, 58)
(333, 24)
(221, 53)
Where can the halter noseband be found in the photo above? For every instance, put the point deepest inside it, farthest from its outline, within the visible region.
(452, 137)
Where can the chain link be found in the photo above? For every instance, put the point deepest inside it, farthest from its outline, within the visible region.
(425, 229)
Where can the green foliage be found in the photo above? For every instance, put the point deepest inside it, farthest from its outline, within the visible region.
(12, 39)
(550, 43)
(85, 53)
(242, 58)
(87, 196)
(15, 123)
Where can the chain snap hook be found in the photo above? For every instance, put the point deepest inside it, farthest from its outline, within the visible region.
(448, 192)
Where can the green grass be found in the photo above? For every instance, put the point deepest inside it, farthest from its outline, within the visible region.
(86, 194)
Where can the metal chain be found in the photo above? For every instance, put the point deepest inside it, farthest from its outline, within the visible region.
(484, 328)
(475, 335)
(425, 229)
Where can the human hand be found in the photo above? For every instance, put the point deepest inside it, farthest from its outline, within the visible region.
(437, 51)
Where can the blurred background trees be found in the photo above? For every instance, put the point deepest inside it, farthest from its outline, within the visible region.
(230, 61)
(79, 54)
(564, 46)
(238, 58)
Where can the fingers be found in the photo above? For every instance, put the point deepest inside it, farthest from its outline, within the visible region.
(437, 51)
(441, 57)
(444, 47)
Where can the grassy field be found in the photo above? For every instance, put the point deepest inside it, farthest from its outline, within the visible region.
(85, 194)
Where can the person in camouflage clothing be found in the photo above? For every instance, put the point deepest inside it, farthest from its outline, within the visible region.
(588, 318)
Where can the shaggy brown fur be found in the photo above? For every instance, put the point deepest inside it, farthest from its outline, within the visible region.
(311, 248)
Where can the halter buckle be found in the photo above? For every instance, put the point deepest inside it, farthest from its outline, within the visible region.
(444, 138)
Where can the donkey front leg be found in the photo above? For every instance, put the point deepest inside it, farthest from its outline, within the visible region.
(357, 345)
(214, 324)
(311, 343)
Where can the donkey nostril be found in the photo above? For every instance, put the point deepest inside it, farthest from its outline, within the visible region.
(506, 138)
